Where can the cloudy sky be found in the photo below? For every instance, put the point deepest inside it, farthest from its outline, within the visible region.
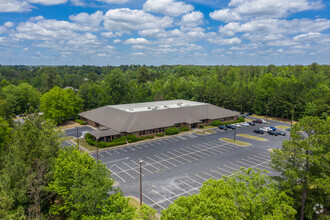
(156, 32)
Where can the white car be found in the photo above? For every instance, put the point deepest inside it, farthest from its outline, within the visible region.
(238, 125)
(265, 129)
(263, 121)
(245, 124)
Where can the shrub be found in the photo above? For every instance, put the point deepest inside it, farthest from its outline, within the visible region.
(217, 123)
(160, 135)
(150, 136)
(142, 138)
(119, 139)
(80, 122)
(171, 131)
(201, 126)
(89, 139)
(184, 129)
(131, 138)
(241, 119)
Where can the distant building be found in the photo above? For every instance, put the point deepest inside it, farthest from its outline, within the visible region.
(147, 118)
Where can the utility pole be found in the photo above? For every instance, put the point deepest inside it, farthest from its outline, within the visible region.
(141, 161)
(267, 111)
(97, 150)
(291, 121)
(235, 134)
(77, 138)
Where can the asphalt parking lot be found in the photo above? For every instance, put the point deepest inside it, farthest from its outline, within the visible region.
(178, 165)
(73, 131)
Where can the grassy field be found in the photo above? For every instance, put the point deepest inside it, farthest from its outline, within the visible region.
(201, 132)
(282, 127)
(135, 202)
(252, 137)
(239, 143)
(84, 144)
(208, 127)
(210, 131)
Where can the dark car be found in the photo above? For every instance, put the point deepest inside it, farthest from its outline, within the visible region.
(257, 121)
(258, 131)
(281, 133)
(248, 113)
(288, 129)
(273, 128)
(230, 126)
(222, 127)
(251, 123)
(271, 132)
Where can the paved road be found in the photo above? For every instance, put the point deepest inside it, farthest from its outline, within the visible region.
(179, 165)
(73, 132)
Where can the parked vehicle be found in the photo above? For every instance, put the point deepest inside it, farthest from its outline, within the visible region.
(288, 129)
(251, 123)
(257, 121)
(230, 126)
(263, 121)
(248, 113)
(238, 125)
(258, 131)
(281, 133)
(271, 132)
(245, 124)
(273, 128)
(222, 127)
(266, 129)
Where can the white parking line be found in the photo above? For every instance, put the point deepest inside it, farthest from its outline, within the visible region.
(115, 151)
(244, 164)
(170, 140)
(101, 154)
(143, 167)
(194, 181)
(124, 171)
(229, 167)
(178, 156)
(166, 161)
(108, 153)
(163, 141)
(123, 149)
(130, 147)
(157, 162)
(162, 196)
(262, 157)
(224, 170)
(150, 144)
(116, 175)
(168, 190)
(194, 154)
(210, 175)
(171, 158)
(132, 168)
(183, 190)
(154, 203)
(201, 177)
(216, 172)
(186, 155)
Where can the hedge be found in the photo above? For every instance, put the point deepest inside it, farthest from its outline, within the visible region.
(171, 131)
(241, 119)
(160, 135)
(150, 136)
(89, 139)
(201, 126)
(184, 129)
(80, 122)
(131, 138)
(217, 123)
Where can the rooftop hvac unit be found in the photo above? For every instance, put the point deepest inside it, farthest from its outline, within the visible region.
(179, 103)
(165, 106)
(148, 107)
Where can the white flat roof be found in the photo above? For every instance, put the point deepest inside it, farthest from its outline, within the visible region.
(152, 106)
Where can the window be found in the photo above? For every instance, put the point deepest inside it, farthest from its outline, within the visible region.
(140, 133)
(144, 132)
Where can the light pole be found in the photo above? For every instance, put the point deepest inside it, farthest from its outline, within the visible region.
(235, 134)
(97, 150)
(291, 121)
(141, 161)
(77, 138)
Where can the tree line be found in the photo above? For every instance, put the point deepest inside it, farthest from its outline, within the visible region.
(272, 90)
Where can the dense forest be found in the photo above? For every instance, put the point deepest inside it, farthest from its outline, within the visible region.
(272, 90)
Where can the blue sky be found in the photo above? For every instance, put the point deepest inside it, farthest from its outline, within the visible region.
(156, 32)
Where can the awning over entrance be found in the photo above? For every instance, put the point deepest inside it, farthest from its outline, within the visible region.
(104, 132)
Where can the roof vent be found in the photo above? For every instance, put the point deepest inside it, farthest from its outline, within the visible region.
(130, 109)
(148, 107)
(165, 106)
(179, 103)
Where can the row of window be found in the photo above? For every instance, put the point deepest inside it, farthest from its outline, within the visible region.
(152, 131)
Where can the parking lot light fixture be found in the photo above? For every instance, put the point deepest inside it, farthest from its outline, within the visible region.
(97, 150)
(77, 138)
(235, 134)
(141, 162)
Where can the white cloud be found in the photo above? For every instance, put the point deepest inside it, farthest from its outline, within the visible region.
(244, 9)
(137, 41)
(92, 21)
(167, 7)
(114, 1)
(9, 24)
(272, 26)
(138, 54)
(125, 19)
(47, 2)
(116, 41)
(14, 6)
(225, 41)
(192, 19)
(307, 36)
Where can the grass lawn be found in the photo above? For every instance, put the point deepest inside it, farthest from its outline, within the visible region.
(201, 133)
(135, 202)
(210, 131)
(84, 144)
(252, 137)
(239, 143)
(208, 127)
(282, 127)
(67, 138)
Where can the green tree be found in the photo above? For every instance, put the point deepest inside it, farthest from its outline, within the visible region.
(84, 188)
(5, 139)
(6, 111)
(22, 98)
(304, 164)
(60, 104)
(27, 168)
(143, 75)
(248, 194)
